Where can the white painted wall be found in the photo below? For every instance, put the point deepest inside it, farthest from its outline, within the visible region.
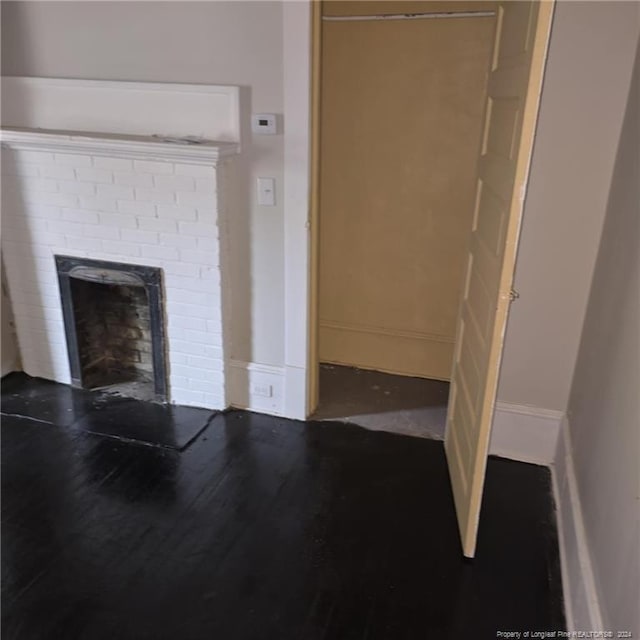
(589, 67)
(591, 54)
(604, 406)
(238, 43)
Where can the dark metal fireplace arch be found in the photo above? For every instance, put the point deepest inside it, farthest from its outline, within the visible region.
(136, 285)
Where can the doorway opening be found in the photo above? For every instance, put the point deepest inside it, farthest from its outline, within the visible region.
(401, 113)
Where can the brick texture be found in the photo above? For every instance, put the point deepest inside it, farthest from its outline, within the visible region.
(158, 214)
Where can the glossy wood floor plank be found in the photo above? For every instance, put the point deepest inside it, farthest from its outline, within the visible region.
(263, 529)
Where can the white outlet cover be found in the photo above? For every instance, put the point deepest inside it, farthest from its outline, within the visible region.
(264, 390)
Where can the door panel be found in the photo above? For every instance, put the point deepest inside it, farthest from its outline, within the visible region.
(512, 105)
(401, 125)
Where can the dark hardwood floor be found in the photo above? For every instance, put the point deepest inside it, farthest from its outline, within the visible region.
(260, 529)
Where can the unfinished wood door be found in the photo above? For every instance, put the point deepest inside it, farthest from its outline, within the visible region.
(402, 103)
(512, 106)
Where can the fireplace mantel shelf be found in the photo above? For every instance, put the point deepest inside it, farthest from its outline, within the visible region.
(111, 144)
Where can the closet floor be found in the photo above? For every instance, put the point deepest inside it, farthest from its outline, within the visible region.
(383, 401)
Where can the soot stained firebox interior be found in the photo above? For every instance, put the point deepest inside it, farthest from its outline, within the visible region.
(113, 322)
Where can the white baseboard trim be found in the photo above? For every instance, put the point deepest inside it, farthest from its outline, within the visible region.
(581, 601)
(295, 393)
(525, 433)
(256, 387)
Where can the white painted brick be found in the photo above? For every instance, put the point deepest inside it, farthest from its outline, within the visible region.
(177, 269)
(56, 171)
(117, 191)
(141, 237)
(101, 231)
(137, 208)
(72, 160)
(179, 358)
(191, 297)
(214, 326)
(161, 253)
(118, 220)
(52, 240)
(199, 229)
(39, 337)
(38, 157)
(112, 164)
(175, 240)
(84, 244)
(177, 213)
(108, 223)
(206, 185)
(33, 209)
(67, 228)
(193, 310)
(91, 174)
(35, 299)
(185, 347)
(40, 323)
(209, 364)
(147, 166)
(20, 249)
(155, 195)
(195, 170)
(214, 400)
(213, 352)
(210, 273)
(208, 383)
(28, 286)
(133, 179)
(206, 338)
(42, 237)
(53, 199)
(35, 350)
(174, 183)
(199, 257)
(18, 229)
(153, 224)
(188, 398)
(121, 248)
(196, 199)
(73, 186)
(179, 382)
(178, 322)
(39, 184)
(207, 216)
(194, 373)
(80, 215)
(96, 203)
(209, 245)
(192, 284)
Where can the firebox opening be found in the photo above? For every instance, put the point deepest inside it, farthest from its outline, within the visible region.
(114, 339)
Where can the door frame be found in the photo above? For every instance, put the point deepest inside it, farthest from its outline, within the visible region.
(314, 27)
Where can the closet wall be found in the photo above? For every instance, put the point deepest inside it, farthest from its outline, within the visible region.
(401, 113)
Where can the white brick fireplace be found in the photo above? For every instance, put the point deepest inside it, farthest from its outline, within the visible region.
(126, 198)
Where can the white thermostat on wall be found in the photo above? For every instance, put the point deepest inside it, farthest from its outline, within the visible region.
(264, 123)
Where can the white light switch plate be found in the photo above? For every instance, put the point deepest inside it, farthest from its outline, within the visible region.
(267, 192)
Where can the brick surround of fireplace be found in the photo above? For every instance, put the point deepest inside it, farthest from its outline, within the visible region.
(141, 202)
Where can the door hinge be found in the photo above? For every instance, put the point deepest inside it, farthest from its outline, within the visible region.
(513, 295)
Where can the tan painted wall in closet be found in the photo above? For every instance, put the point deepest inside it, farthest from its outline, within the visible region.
(401, 115)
